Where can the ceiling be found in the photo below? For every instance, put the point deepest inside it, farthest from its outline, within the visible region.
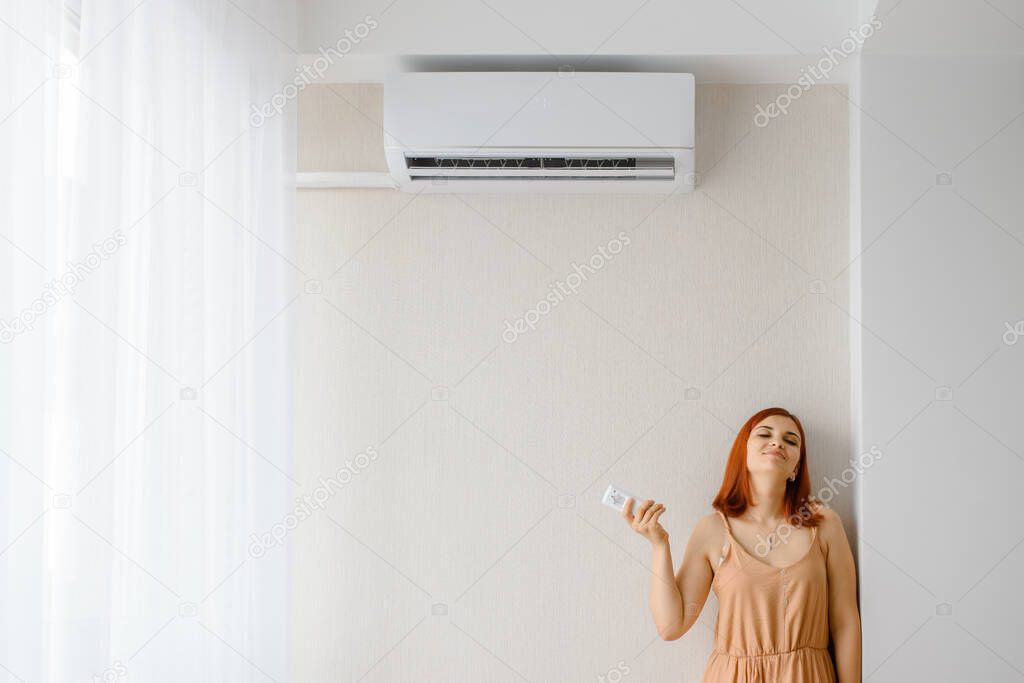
(729, 41)
(717, 41)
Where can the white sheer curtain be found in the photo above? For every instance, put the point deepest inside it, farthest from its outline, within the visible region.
(147, 282)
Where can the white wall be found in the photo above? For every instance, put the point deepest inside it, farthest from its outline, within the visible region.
(942, 552)
(492, 456)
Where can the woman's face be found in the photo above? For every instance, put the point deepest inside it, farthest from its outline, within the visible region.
(774, 446)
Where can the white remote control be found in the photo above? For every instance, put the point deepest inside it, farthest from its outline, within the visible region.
(614, 497)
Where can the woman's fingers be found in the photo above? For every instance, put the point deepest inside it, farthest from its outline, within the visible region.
(649, 512)
(644, 517)
(641, 511)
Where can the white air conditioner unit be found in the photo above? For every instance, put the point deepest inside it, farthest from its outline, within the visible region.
(540, 131)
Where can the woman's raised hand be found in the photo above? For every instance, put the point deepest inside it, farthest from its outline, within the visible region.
(645, 521)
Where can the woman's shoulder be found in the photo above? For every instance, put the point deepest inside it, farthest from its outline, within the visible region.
(707, 531)
(708, 535)
(711, 530)
(830, 519)
(819, 506)
(711, 523)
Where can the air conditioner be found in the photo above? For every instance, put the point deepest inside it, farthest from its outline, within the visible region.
(540, 132)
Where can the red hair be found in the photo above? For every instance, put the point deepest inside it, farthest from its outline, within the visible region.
(734, 496)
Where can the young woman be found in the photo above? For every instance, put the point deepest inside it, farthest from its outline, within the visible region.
(779, 562)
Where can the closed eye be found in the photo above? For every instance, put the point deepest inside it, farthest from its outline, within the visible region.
(791, 443)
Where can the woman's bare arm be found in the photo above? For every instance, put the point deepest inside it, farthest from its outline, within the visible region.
(843, 615)
(676, 599)
(693, 579)
(666, 601)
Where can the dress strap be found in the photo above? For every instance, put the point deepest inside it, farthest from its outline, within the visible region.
(814, 538)
(728, 537)
(728, 530)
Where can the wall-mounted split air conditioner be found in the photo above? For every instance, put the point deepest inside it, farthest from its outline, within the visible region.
(540, 132)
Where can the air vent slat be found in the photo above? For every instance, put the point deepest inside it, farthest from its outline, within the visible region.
(468, 167)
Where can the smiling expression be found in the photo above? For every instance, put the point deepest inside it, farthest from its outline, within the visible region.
(774, 445)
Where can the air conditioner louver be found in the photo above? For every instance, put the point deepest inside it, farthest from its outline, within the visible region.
(539, 168)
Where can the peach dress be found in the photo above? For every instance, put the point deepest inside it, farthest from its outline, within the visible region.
(772, 624)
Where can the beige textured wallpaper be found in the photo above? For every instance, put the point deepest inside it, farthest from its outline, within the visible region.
(461, 536)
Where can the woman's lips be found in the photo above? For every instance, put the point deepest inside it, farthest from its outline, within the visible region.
(774, 454)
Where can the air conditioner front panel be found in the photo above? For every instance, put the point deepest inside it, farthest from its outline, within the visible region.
(539, 131)
(539, 109)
